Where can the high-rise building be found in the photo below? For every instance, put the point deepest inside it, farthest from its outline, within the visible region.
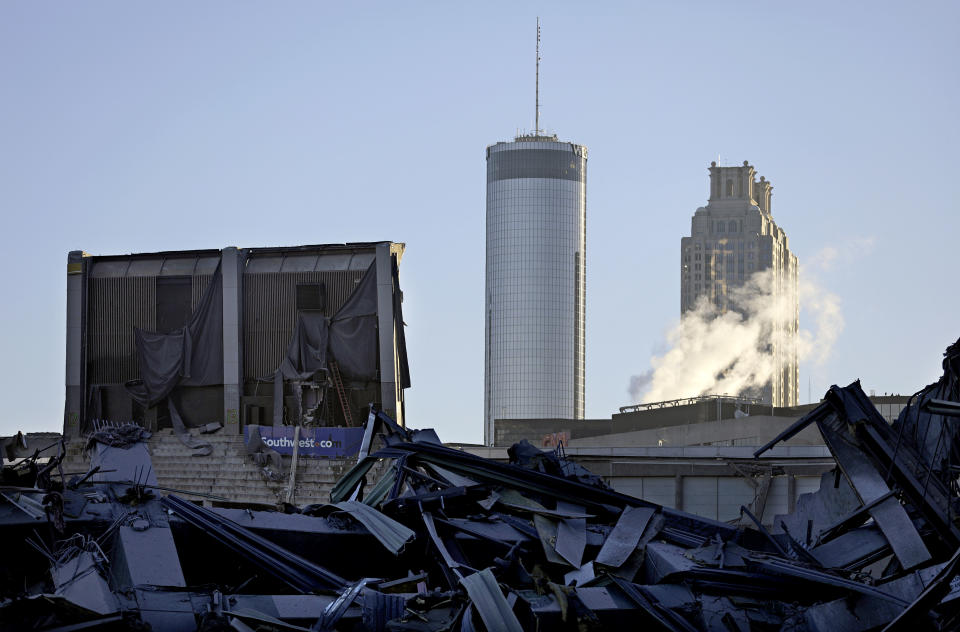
(535, 288)
(732, 239)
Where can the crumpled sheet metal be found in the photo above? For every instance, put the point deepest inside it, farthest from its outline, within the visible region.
(490, 603)
(467, 543)
(797, 561)
(571, 534)
(287, 566)
(391, 534)
(625, 536)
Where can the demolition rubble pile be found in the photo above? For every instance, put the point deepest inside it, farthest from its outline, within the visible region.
(443, 540)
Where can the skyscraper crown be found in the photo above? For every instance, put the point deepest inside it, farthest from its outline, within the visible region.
(738, 183)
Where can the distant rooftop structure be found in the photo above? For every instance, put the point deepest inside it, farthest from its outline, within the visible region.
(691, 400)
(537, 137)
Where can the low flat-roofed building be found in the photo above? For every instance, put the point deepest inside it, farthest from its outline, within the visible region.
(694, 454)
(719, 420)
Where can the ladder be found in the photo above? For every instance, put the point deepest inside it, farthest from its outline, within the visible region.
(341, 393)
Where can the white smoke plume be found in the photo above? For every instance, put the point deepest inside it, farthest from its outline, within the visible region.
(828, 256)
(712, 352)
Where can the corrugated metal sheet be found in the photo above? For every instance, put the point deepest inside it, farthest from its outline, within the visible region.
(494, 609)
(198, 286)
(269, 312)
(391, 534)
(118, 304)
(115, 306)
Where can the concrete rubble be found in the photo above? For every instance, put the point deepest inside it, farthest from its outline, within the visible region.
(420, 536)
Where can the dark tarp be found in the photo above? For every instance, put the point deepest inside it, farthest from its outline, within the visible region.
(353, 331)
(552, 462)
(307, 350)
(269, 460)
(349, 338)
(200, 448)
(95, 403)
(306, 354)
(189, 356)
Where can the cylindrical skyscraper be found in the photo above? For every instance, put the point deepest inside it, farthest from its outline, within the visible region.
(536, 287)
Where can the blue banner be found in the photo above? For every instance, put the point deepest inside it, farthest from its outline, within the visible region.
(314, 442)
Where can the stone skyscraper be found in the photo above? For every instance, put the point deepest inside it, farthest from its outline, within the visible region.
(535, 287)
(732, 238)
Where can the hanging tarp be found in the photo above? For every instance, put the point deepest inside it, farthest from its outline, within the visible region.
(349, 337)
(353, 331)
(306, 354)
(189, 356)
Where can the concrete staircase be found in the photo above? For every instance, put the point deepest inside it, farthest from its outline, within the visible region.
(228, 472)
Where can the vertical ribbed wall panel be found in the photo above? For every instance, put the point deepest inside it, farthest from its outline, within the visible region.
(198, 285)
(115, 307)
(270, 311)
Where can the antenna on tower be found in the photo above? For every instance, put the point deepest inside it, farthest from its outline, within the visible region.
(536, 124)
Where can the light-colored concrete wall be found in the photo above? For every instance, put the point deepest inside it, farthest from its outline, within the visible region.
(748, 431)
(711, 481)
(390, 392)
(719, 497)
(73, 401)
(232, 354)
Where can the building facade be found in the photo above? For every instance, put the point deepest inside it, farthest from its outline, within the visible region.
(734, 244)
(241, 315)
(535, 280)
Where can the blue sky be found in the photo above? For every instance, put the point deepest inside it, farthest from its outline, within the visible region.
(130, 127)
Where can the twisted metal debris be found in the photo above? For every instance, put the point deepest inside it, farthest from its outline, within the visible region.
(444, 540)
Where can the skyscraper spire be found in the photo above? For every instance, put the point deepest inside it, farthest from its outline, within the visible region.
(536, 124)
